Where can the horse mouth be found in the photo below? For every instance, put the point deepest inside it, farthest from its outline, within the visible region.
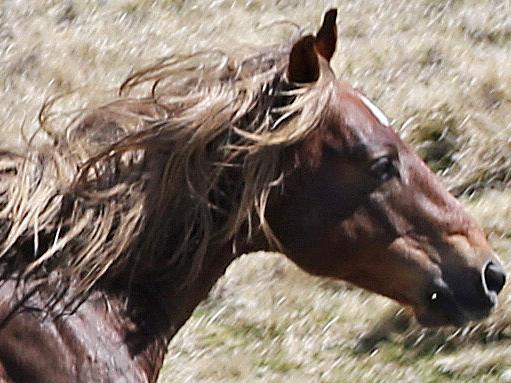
(453, 316)
(443, 308)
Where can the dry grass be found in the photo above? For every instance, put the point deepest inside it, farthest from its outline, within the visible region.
(441, 71)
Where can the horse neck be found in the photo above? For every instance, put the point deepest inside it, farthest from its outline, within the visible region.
(164, 308)
(158, 309)
(179, 302)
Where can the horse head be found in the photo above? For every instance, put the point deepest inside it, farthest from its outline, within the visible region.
(363, 207)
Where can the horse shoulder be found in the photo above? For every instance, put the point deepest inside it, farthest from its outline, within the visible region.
(86, 346)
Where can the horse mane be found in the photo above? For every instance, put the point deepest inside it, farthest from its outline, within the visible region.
(183, 161)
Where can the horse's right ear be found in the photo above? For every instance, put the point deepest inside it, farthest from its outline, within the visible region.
(303, 61)
(326, 39)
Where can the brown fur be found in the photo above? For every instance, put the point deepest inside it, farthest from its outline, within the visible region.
(131, 215)
(126, 172)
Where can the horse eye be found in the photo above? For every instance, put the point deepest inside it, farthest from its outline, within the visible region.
(384, 168)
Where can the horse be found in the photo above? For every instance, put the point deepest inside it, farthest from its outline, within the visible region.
(114, 229)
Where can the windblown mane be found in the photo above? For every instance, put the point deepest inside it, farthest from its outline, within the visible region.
(146, 184)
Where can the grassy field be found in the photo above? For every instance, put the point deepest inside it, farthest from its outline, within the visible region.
(442, 72)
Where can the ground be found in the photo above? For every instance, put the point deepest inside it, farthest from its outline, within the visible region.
(441, 70)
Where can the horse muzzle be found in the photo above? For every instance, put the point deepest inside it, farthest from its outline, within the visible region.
(458, 299)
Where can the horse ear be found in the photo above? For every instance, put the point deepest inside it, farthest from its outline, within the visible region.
(326, 39)
(303, 61)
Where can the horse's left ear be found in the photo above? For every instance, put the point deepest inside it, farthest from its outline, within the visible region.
(304, 57)
(303, 61)
(326, 38)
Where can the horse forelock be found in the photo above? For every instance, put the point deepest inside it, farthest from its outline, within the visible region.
(184, 161)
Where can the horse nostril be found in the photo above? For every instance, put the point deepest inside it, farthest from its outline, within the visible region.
(494, 277)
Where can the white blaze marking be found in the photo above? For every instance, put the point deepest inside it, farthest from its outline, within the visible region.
(380, 116)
